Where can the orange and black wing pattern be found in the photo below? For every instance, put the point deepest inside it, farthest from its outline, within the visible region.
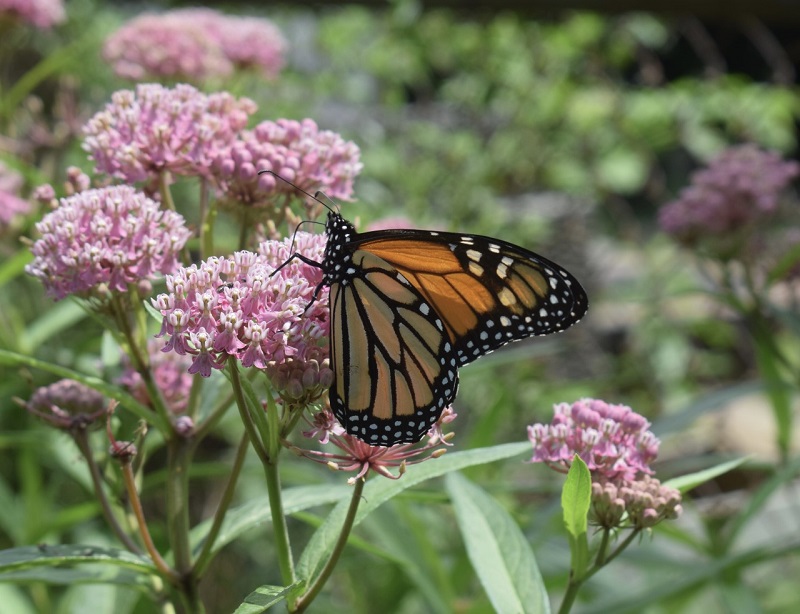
(408, 307)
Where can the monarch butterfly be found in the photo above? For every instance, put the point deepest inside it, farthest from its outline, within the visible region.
(409, 307)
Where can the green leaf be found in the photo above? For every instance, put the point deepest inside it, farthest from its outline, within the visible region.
(686, 482)
(256, 512)
(498, 550)
(378, 490)
(575, 500)
(263, 598)
(71, 564)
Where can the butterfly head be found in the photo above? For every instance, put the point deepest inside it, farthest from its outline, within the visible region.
(339, 232)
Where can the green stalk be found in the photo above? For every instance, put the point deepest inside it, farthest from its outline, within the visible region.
(205, 556)
(82, 441)
(303, 602)
(575, 584)
(281, 530)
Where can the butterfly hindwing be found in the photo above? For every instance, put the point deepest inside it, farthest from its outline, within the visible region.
(394, 363)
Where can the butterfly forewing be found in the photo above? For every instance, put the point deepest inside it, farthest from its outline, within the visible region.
(394, 363)
(486, 291)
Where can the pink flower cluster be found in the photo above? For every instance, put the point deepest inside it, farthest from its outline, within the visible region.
(612, 440)
(105, 239)
(616, 446)
(43, 14)
(156, 129)
(170, 373)
(67, 404)
(298, 151)
(11, 205)
(740, 186)
(194, 44)
(238, 307)
(644, 503)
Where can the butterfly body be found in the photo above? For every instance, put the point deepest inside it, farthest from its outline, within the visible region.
(408, 307)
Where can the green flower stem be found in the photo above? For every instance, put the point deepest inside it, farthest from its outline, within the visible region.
(244, 230)
(202, 429)
(205, 556)
(601, 561)
(207, 216)
(136, 505)
(82, 441)
(163, 189)
(265, 440)
(241, 404)
(304, 601)
(179, 455)
(141, 361)
(280, 528)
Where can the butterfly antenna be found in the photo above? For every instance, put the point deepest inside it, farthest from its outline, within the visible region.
(316, 196)
(297, 228)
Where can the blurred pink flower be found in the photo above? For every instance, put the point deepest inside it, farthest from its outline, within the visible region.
(155, 129)
(170, 373)
(43, 14)
(740, 187)
(105, 239)
(299, 152)
(11, 205)
(247, 42)
(68, 405)
(194, 44)
(236, 307)
(612, 440)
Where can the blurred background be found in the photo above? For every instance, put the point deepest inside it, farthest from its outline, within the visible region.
(548, 125)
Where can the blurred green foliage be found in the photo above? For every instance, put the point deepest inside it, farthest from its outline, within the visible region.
(460, 120)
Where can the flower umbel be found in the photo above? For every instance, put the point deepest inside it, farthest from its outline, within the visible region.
(236, 307)
(299, 152)
(68, 405)
(194, 44)
(105, 239)
(612, 440)
(739, 189)
(154, 130)
(616, 446)
(43, 14)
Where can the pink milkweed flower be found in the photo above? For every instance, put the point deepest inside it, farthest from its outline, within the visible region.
(726, 201)
(239, 307)
(641, 503)
(43, 14)
(152, 130)
(194, 44)
(105, 240)
(299, 152)
(246, 42)
(356, 455)
(612, 440)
